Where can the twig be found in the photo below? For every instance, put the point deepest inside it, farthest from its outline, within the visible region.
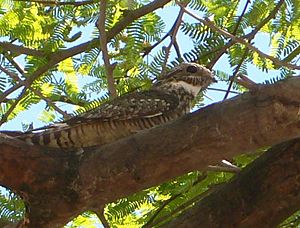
(162, 206)
(220, 168)
(219, 54)
(165, 203)
(12, 107)
(51, 104)
(57, 3)
(240, 18)
(225, 166)
(248, 36)
(103, 44)
(223, 90)
(211, 25)
(56, 57)
(230, 43)
(18, 49)
(235, 73)
(265, 21)
(47, 100)
(12, 75)
(169, 33)
(173, 34)
(149, 49)
(177, 49)
(246, 82)
(102, 218)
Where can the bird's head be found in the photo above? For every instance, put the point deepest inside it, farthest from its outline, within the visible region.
(190, 76)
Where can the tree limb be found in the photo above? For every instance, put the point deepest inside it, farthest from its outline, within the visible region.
(103, 44)
(46, 177)
(57, 3)
(56, 57)
(269, 182)
(18, 49)
(211, 25)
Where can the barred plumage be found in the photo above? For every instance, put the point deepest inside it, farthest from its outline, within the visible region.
(168, 99)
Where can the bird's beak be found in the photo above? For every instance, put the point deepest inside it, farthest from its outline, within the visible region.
(214, 80)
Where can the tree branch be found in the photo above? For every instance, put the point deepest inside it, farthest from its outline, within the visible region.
(17, 49)
(103, 44)
(59, 56)
(263, 117)
(173, 35)
(265, 20)
(269, 182)
(248, 36)
(211, 25)
(236, 71)
(57, 3)
(17, 79)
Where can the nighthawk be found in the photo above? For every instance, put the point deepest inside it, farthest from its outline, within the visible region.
(169, 98)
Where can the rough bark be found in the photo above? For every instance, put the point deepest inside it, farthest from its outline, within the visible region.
(56, 185)
(262, 195)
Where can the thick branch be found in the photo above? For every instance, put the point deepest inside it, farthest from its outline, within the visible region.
(269, 182)
(263, 117)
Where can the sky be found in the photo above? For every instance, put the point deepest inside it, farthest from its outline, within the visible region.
(169, 15)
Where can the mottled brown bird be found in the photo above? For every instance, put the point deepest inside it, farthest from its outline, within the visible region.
(168, 99)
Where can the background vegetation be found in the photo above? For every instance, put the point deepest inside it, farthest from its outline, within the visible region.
(63, 58)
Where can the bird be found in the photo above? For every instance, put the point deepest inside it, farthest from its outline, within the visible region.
(168, 99)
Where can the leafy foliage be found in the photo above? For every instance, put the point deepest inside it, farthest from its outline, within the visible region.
(11, 207)
(77, 82)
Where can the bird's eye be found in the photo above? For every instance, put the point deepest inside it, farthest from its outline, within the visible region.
(191, 69)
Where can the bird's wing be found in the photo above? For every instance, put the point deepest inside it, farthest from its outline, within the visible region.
(145, 104)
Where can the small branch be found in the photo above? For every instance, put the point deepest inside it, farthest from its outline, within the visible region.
(149, 49)
(177, 49)
(57, 3)
(235, 73)
(240, 18)
(230, 43)
(103, 44)
(56, 57)
(183, 207)
(223, 90)
(173, 34)
(220, 168)
(47, 100)
(18, 49)
(225, 166)
(265, 21)
(67, 100)
(211, 25)
(221, 51)
(12, 75)
(169, 33)
(12, 107)
(14, 63)
(102, 218)
(51, 104)
(246, 82)
(150, 223)
(249, 36)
